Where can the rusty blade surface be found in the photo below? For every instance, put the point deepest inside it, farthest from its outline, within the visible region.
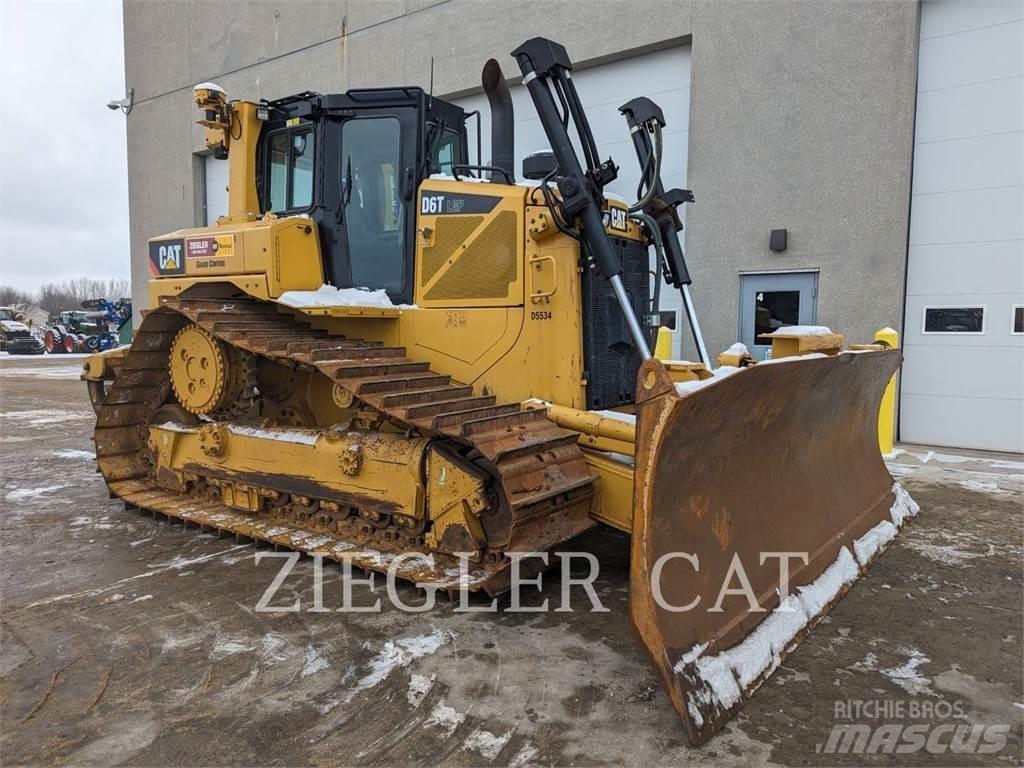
(775, 458)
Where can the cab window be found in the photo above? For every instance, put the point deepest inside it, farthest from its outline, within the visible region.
(290, 170)
(374, 210)
(449, 154)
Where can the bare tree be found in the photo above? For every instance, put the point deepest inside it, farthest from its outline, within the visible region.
(55, 297)
(13, 297)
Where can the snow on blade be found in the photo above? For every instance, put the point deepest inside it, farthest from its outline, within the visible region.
(721, 678)
(802, 330)
(874, 541)
(329, 296)
(686, 387)
(739, 348)
(904, 506)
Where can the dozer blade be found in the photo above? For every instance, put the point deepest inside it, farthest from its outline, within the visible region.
(778, 458)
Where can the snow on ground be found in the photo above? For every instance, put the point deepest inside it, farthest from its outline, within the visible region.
(486, 743)
(329, 296)
(906, 675)
(23, 494)
(948, 458)
(446, 718)
(74, 454)
(40, 418)
(312, 661)
(419, 687)
(401, 653)
(67, 372)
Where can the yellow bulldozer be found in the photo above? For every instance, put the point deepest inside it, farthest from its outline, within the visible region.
(386, 354)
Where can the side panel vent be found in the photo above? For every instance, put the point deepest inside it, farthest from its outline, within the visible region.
(484, 270)
(451, 233)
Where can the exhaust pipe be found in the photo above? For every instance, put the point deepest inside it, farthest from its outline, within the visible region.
(503, 142)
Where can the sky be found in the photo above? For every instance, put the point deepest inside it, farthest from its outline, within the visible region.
(63, 159)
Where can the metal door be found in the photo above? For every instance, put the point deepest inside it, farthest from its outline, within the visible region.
(769, 301)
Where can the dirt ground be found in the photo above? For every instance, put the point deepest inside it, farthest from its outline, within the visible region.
(128, 640)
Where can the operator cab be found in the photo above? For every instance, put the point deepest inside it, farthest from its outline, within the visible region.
(353, 163)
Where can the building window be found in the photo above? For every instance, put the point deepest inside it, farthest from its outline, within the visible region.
(774, 310)
(1017, 319)
(954, 320)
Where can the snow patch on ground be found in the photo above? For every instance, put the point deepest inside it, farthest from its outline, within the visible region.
(22, 494)
(66, 372)
(401, 653)
(224, 647)
(272, 648)
(419, 687)
(947, 458)
(984, 486)
(486, 743)
(313, 662)
(446, 718)
(906, 675)
(40, 418)
(525, 756)
(74, 454)
(329, 296)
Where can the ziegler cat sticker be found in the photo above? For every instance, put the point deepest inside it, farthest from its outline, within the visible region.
(167, 257)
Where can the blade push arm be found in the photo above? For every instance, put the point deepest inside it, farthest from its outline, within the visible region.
(645, 119)
(546, 72)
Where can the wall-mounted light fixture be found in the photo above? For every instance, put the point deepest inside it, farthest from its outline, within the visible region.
(125, 104)
(777, 240)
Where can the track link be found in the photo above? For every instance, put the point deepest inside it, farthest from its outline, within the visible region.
(539, 471)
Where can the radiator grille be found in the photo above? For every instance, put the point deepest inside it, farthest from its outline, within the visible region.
(610, 360)
(486, 268)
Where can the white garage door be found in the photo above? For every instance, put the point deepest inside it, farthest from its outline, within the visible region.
(216, 188)
(963, 379)
(664, 77)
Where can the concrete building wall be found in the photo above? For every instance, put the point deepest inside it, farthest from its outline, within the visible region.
(801, 115)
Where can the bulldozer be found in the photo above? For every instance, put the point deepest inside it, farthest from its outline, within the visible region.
(388, 355)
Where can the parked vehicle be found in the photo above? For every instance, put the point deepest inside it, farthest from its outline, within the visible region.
(15, 337)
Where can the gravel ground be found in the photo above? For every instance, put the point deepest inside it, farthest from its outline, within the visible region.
(130, 640)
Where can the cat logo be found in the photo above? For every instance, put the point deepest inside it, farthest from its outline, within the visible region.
(170, 256)
(617, 219)
(167, 257)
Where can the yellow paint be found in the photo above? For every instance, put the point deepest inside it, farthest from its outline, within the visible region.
(614, 501)
(663, 347)
(388, 470)
(887, 412)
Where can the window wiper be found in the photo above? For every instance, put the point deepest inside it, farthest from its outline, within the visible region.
(345, 193)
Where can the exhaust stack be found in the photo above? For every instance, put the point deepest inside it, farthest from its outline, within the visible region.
(503, 154)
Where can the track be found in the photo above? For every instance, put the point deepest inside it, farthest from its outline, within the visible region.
(540, 476)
